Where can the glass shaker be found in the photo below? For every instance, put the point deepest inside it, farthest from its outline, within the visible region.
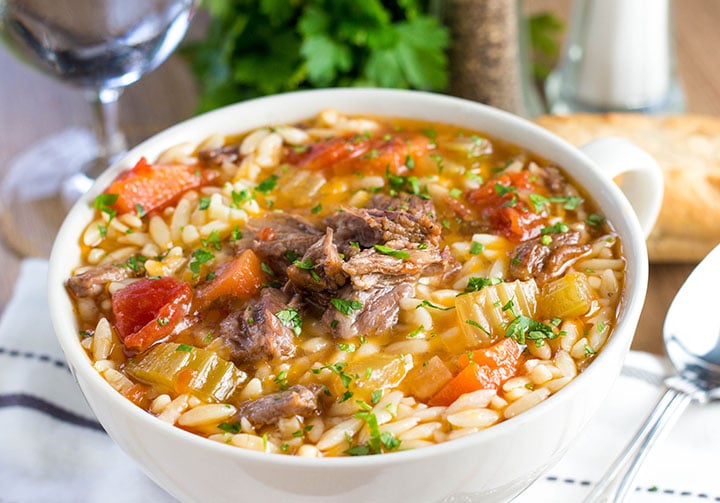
(619, 56)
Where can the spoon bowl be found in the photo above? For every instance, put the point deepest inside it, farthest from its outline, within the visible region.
(691, 336)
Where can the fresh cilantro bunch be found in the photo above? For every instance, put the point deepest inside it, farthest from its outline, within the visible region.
(260, 47)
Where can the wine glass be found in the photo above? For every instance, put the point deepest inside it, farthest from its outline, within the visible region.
(101, 47)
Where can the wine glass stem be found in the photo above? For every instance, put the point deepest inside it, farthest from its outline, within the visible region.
(111, 140)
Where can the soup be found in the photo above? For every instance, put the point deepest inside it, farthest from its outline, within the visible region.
(345, 285)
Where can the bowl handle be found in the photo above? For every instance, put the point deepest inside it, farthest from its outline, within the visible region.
(642, 178)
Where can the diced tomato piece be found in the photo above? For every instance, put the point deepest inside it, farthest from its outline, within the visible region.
(152, 186)
(150, 310)
(502, 202)
(489, 368)
(242, 277)
(363, 154)
(325, 153)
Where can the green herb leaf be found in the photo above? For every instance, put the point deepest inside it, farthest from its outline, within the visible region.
(386, 250)
(185, 348)
(204, 203)
(290, 317)
(427, 303)
(346, 307)
(267, 184)
(477, 283)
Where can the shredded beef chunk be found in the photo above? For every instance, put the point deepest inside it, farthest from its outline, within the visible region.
(217, 156)
(533, 259)
(402, 220)
(92, 282)
(366, 312)
(320, 269)
(281, 238)
(255, 332)
(371, 268)
(297, 400)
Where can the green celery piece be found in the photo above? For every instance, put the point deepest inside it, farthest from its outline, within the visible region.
(214, 380)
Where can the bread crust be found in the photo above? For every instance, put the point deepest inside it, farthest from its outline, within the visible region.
(687, 147)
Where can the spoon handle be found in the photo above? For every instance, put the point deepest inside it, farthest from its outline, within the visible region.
(616, 482)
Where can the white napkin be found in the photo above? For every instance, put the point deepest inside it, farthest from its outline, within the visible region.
(53, 450)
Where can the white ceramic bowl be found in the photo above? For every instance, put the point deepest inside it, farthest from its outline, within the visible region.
(493, 465)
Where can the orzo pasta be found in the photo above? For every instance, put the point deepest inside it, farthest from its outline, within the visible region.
(344, 285)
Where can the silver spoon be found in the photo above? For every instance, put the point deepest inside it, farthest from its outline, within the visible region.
(692, 340)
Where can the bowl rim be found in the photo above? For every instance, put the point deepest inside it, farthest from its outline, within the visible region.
(635, 251)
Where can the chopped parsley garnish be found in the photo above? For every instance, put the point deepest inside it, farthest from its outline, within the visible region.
(539, 202)
(281, 380)
(501, 189)
(558, 228)
(290, 317)
(239, 197)
(430, 133)
(230, 427)
(568, 202)
(595, 220)
(103, 230)
(135, 263)
(438, 161)
(266, 269)
(268, 184)
(455, 193)
(236, 233)
(409, 162)
(163, 321)
(346, 307)
(476, 248)
(589, 351)
(474, 177)
(409, 184)
(87, 333)
(213, 240)
(427, 303)
(139, 210)
(103, 202)
(378, 442)
(348, 348)
(338, 369)
(204, 203)
(523, 328)
(376, 396)
(475, 324)
(199, 257)
(307, 265)
(477, 283)
(415, 332)
(386, 250)
(316, 209)
(185, 348)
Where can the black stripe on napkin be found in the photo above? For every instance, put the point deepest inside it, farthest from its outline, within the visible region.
(29, 355)
(52, 410)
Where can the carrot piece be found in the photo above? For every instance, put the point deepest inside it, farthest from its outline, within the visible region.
(242, 277)
(152, 186)
(507, 350)
(488, 369)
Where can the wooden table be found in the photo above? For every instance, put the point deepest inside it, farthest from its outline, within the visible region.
(33, 106)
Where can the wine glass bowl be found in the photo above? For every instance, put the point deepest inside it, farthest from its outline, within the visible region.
(100, 47)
